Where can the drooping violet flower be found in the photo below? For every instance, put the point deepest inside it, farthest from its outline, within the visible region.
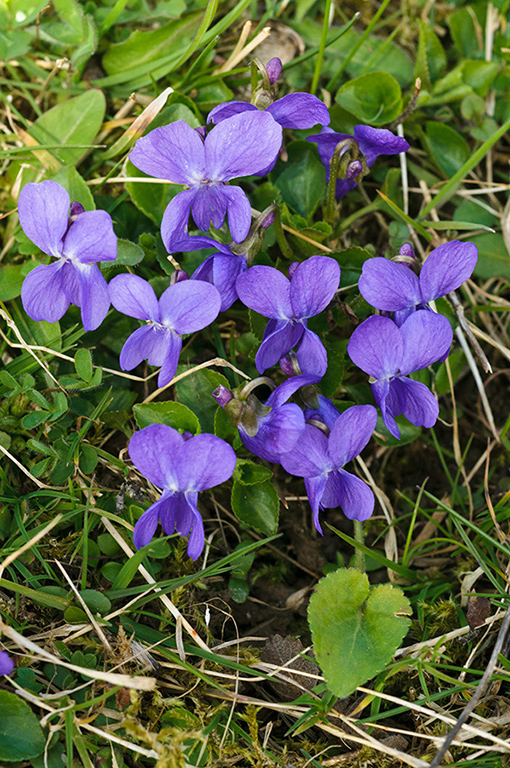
(296, 110)
(6, 663)
(184, 307)
(288, 304)
(389, 354)
(245, 145)
(320, 461)
(222, 269)
(181, 467)
(271, 429)
(395, 288)
(372, 142)
(78, 239)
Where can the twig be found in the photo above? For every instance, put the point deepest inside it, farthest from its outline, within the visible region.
(480, 690)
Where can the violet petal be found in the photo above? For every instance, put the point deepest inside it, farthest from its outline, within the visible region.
(91, 238)
(153, 450)
(427, 337)
(313, 285)
(276, 344)
(189, 306)
(310, 456)
(376, 346)
(267, 291)
(94, 297)
(311, 354)
(147, 524)
(6, 663)
(136, 347)
(351, 432)
(416, 402)
(134, 296)
(299, 110)
(175, 222)
(174, 152)
(229, 109)
(204, 462)
(447, 267)
(173, 346)
(378, 141)
(243, 145)
(356, 498)
(389, 286)
(315, 489)
(42, 294)
(43, 211)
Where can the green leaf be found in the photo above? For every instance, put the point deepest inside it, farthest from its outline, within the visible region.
(355, 629)
(196, 390)
(374, 98)
(447, 147)
(493, 256)
(21, 736)
(463, 32)
(257, 506)
(128, 254)
(160, 47)
(172, 414)
(239, 590)
(96, 601)
(70, 179)
(249, 473)
(11, 280)
(83, 364)
(301, 179)
(431, 58)
(34, 418)
(88, 458)
(75, 121)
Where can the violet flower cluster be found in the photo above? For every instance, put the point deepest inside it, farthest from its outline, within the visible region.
(295, 426)
(389, 350)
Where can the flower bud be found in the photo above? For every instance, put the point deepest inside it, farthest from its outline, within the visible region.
(406, 249)
(292, 269)
(178, 276)
(354, 169)
(222, 395)
(274, 69)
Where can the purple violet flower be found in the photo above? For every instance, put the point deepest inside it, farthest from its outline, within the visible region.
(184, 307)
(245, 145)
(372, 142)
(296, 110)
(222, 269)
(327, 413)
(181, 467)
(77, 239)
(288, 304)
(279, 424)
(389, 354)
(320, 459)
(6, 663)
(394, 287)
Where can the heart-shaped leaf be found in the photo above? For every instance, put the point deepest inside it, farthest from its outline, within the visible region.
(355, 629)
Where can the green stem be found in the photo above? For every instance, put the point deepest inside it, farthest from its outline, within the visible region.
(359, 555)
(357, 45)
(280, 236)
(322, 47)
(112, 17)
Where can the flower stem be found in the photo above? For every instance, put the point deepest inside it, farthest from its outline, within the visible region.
(280, 236)
(359, 555)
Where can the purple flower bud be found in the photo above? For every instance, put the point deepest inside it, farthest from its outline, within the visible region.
(406, 249)
(292, 269)
(178, 276)
(76, 209)
(274, 68)
(269, 220)
(354, 169)
(222, 395)
(290, 365)
(6, 663)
